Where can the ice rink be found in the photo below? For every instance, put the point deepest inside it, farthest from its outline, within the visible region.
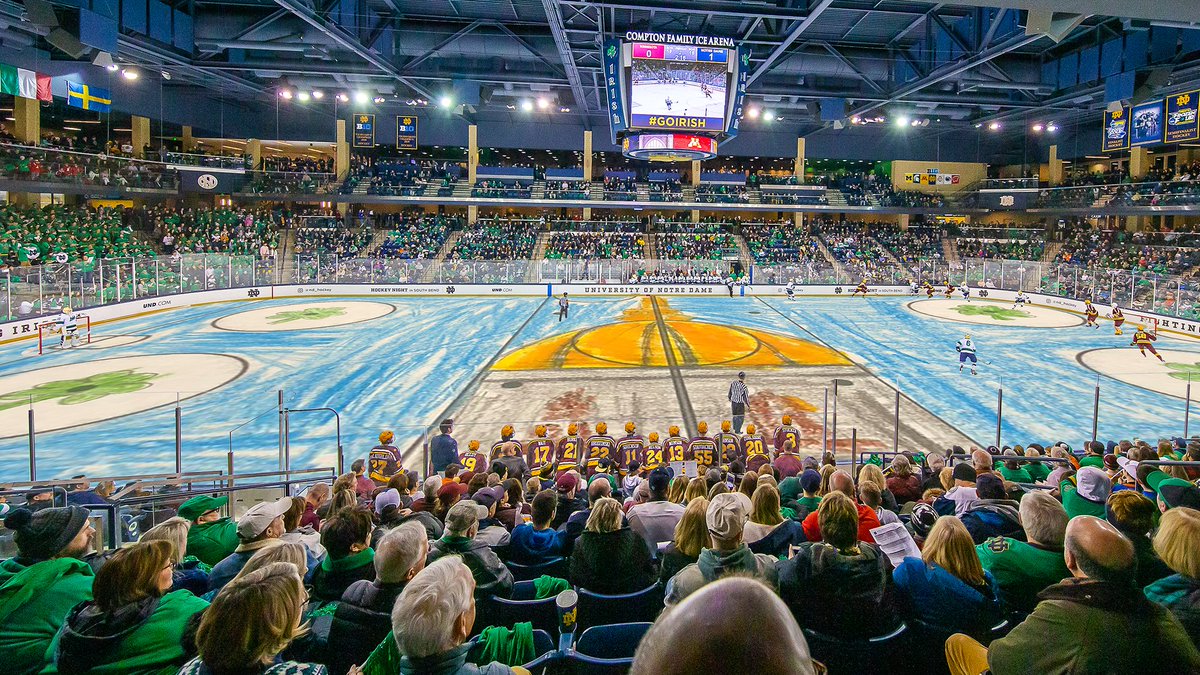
(404, 363)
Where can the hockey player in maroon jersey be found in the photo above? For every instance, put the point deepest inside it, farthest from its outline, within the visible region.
(675, 447)
(729, 444)
(653, 453)
(473, 460)
(506, 436)
(703, 449)
(540, 451)
(756, 449)
(599, 447)
(631, 448)
(570, 449)
(786, 432)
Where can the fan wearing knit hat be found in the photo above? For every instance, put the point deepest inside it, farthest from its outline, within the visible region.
(41, 585)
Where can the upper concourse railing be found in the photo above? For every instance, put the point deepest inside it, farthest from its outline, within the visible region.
(45, 289)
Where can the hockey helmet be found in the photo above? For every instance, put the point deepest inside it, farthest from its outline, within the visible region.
(726, 426)
(787, 419)
(630, 427)
(653, 436)
(507, 431)
(750, 428)
(673, 431)
(601, 428)
(572, 429)
(473, 445)
(386, 437)
(702, 427)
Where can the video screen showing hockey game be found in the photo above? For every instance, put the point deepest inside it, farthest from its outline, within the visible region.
(678, 87)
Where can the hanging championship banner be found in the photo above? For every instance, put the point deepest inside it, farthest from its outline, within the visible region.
(1146, 124)
(406, 132)
(1182, 124)
(364, 130)
(1116, 130)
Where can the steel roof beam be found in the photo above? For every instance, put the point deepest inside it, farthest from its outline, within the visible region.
(850, 64)
(794, 32)
(567, 56)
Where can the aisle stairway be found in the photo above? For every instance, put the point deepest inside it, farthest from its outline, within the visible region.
(950, 249)
(1051, 251)
(444, 251)
(287, 248)
(744, 254)
(887, 253)
(538, 190)
(829, 257)
(533, 273)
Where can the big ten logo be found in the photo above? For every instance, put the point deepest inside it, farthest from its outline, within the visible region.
(253, 293)
(1007, 200)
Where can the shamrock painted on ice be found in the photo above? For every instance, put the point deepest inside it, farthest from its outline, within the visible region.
(81, 390)
(1185, 371)
(310, 314)
(992, 311)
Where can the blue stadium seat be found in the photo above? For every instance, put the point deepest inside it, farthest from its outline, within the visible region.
(607, 650)
(493, 611)
(555, 567)
(871, 655)
(640, 606)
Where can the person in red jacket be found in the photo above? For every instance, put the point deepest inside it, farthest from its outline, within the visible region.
(841, 481)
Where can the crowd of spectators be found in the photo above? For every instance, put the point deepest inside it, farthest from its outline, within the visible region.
(568, 189)
(665, 190)
(497, 189)
(31, 235)
(607, 245)
(495, 240)
(851, 244)
(722, 193)
(1013, 560)
(235, 231)
(620, 189)
(913, 245)
(78, 168)
(297, 164)
(696, 246)
(329, 235)
(779, 242)
(1002, 242)
(414, 236)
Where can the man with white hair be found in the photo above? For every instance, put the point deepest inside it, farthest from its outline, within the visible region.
(433, 618)
(1023, 568)
(491, 576)
(726, 519)
(364, 614)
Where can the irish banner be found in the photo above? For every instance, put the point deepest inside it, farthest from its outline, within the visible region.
(1182, 117)
(1116, 130)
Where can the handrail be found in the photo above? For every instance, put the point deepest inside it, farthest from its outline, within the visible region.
(103, 479)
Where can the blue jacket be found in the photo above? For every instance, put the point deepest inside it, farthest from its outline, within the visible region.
(933, 595)
(443, 451)
(528, 546)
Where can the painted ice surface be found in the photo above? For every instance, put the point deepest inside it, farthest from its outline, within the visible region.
(406, 368)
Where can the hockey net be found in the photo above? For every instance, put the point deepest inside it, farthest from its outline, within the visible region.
(49, 336)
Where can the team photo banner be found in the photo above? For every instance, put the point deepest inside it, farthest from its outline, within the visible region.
(1116, 130)
(1182, 117)
(1146, 124)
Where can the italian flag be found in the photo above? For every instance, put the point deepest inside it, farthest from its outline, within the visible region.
(24, 83)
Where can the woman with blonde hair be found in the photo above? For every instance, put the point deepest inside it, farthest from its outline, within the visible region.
(1177, 542)
(255, 617)
(691, 535)
(190, 574)
(768, 531)
(697, 487)
(610, 558)
(947, 586)
(826, 471)
(676, 491)
(134, 623)
(872, 473)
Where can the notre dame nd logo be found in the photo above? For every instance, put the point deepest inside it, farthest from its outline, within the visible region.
(1007, 200)
(362, 118)
(1118, 114)
(407, 120)
(1183, 100)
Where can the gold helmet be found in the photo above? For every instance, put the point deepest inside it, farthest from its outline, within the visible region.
(1141, 326)
(673, 431)
(473, 445)
(653, 436)
(750, 428)
(572, 429)
(630, 427)
(540, 430)
(507, 431)
(787, 419)
(702, 427)
(386, 437)
(726, 425)
(601, 428)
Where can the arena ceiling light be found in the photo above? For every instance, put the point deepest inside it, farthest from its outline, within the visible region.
(285, 94)
(130, 74)
(753, 112)
(768, 115)
(446, 102)
(361, 97)
(902, 120)
(564, 109)
(303, 96)
(994, 126)
(379, 100)
(318, 94)
(1039, 128)
(526, 105)
(1052, 127)
(343, 97)
(542, 104)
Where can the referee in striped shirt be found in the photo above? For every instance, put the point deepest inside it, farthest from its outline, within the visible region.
(739, 396)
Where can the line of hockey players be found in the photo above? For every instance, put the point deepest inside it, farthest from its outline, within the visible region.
(636, 454)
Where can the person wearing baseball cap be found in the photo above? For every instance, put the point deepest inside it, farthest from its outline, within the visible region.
(962, 495)
(1173, 492)
(257, 526)
(491, 531)
(726, 520)
(211, 538)
(43, 582)
(462, 524)
(1087, 493)
(569, 501)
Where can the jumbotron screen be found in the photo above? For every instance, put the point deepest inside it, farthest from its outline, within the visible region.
(676, 86)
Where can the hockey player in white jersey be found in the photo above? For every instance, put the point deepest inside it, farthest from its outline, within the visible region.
(966, 291)
(791, 290)
(966, 352)
(67, 328)
(1020, 300)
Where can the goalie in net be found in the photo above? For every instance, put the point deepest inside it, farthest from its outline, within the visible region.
(71, 330)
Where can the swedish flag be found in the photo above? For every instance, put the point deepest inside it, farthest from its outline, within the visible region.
(88, 98)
